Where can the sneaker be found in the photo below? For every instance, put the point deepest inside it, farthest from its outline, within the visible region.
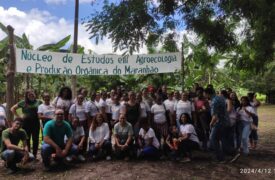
(69, 159)
(185, 160)
(11, 171)
(81, 158)
(108, 158)
(235, 158)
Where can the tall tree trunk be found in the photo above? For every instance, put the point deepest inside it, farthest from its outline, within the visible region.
(10, 74)
(182, 68)
(75, 43)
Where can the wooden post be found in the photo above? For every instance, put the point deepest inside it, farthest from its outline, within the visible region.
(75, 43)
(10, 75)
(182, 68)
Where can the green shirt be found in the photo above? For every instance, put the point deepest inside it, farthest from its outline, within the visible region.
(29, 109)
(57, 133)
(14, 137)
(123, 132)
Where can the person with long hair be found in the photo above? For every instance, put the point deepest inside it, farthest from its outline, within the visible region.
(202, 117)
(245, 113)
(64, 101)
(123, 132)
(30, 118)
(99, 144)
(131, 109)
(253, 137)
(188, 137)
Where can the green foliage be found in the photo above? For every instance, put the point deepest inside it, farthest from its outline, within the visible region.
(131, 23)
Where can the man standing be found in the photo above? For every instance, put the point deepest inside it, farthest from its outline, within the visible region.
(11, 152)
(218, 122)
(54, 145)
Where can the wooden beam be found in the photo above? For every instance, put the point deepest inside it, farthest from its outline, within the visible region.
(10, 75)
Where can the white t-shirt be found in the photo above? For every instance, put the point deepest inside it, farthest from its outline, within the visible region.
(3, 111)
(253, 105)
(79, 111)
(91, 108)
(58, 102)
(46, 110)
(144, 108)
(77, 134)
(159, 113)
(189, 129)
(100, 104)
(169, 104)
(109, 103)
(148, 135)
(244, 116)
(2, 117)
(184, 107)
(115, 109)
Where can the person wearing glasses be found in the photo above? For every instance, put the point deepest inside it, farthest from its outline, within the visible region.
(53, 140)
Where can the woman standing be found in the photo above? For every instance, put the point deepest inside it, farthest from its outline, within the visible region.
(64, 101)
(159, 119)
(245, 113)
(78, 110)
(30, 118)
(203, 119)
(131, 109)
(183, 106)
(46, 110)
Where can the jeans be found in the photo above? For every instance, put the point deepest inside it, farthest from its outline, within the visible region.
(187, 146)
(12, 157)
(216, 139)
(149, 152)
(229, 146)
(46, 152)
(246, 129)
(106, 148)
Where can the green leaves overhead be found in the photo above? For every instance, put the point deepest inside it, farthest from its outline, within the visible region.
(131, 23)
(55, 46)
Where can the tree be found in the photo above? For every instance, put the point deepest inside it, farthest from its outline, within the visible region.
(132, 23)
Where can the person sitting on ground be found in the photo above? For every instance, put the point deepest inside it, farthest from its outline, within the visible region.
(78, 140)
(12, 153)
(53, 144)
(172, 143)
(123, 132)
(188, 137)
(99, 144)
(147, 141)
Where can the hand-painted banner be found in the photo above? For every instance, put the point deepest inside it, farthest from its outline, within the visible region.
(42, 62)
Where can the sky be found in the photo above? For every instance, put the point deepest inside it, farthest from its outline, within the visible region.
(47, 21)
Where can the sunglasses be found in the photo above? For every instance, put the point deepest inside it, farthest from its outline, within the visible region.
(59, 114)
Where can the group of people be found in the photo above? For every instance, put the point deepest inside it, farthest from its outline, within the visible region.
(126, 124)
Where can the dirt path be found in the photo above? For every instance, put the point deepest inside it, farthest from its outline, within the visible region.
(260, 164)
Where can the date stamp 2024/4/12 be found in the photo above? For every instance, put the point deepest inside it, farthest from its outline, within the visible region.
(257, 170)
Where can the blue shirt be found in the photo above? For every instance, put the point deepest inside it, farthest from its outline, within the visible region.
(218, 108)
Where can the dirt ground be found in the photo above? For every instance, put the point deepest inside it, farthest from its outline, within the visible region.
(260, 164)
